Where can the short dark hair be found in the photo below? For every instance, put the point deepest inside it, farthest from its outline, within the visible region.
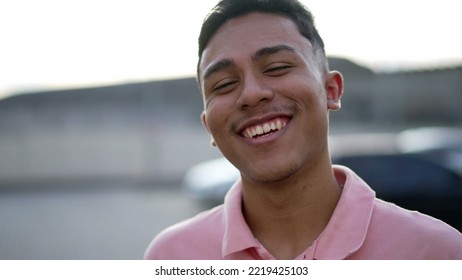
(229, 9)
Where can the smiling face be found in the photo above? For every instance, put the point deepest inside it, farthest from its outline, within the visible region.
(267, 97)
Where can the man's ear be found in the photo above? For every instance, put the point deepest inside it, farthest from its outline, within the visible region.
(334, 89)
(204, 123)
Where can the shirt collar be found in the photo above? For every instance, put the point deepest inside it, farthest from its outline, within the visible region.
(346, 231)
(238, 236)
(343, 235)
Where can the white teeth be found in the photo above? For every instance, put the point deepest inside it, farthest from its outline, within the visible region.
(278, 125)
(259, 130)
(263, 129)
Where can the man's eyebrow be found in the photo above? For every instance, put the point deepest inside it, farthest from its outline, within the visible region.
(271, 50)
(218, 66)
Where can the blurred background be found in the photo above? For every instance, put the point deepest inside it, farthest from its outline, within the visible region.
(99, 115)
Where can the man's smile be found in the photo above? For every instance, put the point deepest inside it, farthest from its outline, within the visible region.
(264, 128)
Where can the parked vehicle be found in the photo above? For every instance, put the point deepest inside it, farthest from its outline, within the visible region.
(440, 144)
(208, 182)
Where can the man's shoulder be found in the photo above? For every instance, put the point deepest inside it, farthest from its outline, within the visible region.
(394, 215)
(187, 239)
(432, 237)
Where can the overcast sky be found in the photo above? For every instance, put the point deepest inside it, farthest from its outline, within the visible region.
(76, 43)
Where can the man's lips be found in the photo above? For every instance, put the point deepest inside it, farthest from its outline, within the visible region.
(264, 127)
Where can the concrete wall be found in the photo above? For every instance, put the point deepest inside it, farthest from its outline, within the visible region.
(141, 156)
(419, 97)
(397, 100)
(141, 132)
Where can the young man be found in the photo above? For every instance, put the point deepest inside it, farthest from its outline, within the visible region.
(267, 92)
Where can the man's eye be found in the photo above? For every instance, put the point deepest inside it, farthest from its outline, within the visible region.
(279, 69)
(224, 86)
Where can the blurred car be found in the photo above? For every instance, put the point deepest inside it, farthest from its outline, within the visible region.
(429, 138)
(208, 182)
(439, 144)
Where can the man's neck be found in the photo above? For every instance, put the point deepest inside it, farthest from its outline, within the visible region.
(286, 217)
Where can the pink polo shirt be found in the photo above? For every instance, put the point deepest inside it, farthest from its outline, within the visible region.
(361, 227)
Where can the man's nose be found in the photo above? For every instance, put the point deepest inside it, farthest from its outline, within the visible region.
(254, 92)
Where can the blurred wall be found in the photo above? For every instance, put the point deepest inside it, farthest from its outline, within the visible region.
(151, 131)
(142, 132)
(398, 100)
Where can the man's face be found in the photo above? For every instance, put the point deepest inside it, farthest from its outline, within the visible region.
(266, 97)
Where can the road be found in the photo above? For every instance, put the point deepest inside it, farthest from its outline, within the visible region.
(87, 222)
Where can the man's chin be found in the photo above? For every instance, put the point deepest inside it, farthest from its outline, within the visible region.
(268, 176)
